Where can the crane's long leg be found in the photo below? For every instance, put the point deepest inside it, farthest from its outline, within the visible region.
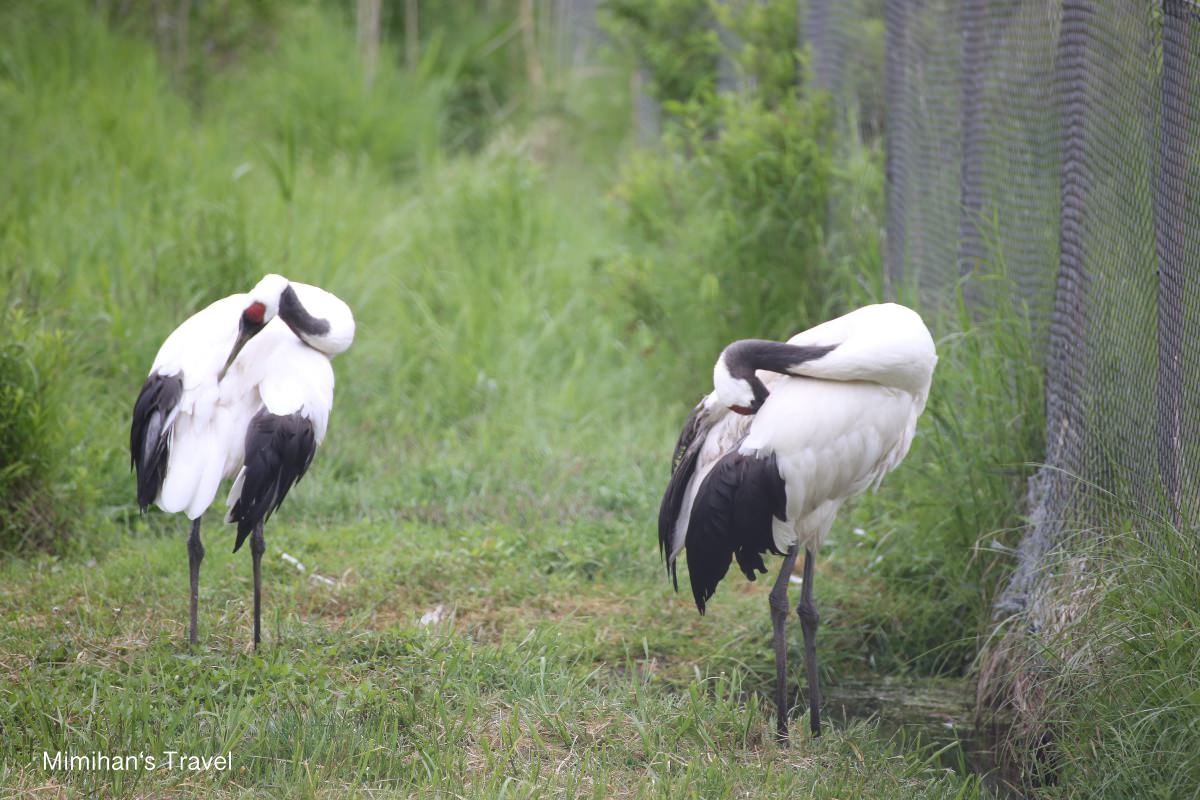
(195, 556)
(779, 614)
(809, 619)
(257, 546)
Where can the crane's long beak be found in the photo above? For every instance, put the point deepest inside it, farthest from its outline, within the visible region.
(245, 334)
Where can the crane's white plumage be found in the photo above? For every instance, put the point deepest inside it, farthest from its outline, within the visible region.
(285, 372)
(789, 433)
(831, 440)
(836, 426)
(886, 344)
(242, 387)
(275, 369)
(199, 430)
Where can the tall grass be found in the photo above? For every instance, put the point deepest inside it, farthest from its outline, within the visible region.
(293, 96)
(527, 341)
(1142, 635)
(1103, 684)
(37, 495)
(484, 381)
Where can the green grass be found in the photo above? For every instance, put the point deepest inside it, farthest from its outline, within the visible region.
(570, 671)
(500, 437)
(472, 283)
(1107, 688)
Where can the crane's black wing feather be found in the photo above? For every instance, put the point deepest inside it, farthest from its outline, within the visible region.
(731, 518)
(683, 465)
(695, 428)
(279, 449)
(149, 435)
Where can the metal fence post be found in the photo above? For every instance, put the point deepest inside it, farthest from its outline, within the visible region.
(1175, 221)
(898, 156)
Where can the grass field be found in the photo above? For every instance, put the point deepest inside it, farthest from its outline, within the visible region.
(500, 437)
(562, 667)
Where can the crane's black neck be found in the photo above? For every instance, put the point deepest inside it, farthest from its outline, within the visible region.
(745, 356)
(302, 323)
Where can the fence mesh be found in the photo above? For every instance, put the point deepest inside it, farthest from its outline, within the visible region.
(1056, 144)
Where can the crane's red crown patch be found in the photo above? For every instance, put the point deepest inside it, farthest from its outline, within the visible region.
(254, 313)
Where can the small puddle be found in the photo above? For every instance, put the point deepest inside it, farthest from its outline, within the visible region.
(935, 712)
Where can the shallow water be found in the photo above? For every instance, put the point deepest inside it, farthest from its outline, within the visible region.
(934, 712)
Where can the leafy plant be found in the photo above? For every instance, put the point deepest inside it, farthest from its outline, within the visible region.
(34, 472)
(730, 225)
(674, 41)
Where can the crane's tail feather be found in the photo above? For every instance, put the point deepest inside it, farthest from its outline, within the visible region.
(279, 449)
(683, 465)
(235, 494)
(150, 433)
(732, 517)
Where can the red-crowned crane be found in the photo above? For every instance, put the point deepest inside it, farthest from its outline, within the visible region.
(791, 431)
(242, 387)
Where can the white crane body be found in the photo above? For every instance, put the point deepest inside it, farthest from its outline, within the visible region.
(242, 388)
(790, 432)
(198, 430)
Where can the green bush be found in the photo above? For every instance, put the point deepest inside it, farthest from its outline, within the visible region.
(679, 46)
(470, 69)
(35, 498)
(728, 227)
(727, 216)
(767, 53)
(674, 41)
(474, 54)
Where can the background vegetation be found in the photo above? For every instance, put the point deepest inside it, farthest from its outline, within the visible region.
(539, 302)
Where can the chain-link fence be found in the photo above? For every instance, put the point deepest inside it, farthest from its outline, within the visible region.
(1049, 150)
(1056, 143)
